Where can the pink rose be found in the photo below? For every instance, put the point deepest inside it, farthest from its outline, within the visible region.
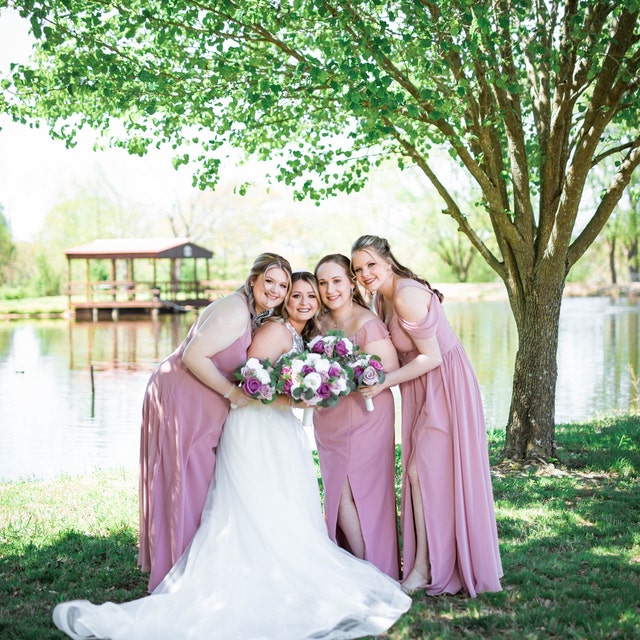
(369, 376)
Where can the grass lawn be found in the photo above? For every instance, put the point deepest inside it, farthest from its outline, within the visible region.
(34, 307)
(569, 535)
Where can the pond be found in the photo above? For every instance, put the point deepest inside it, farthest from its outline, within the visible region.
(71, 392)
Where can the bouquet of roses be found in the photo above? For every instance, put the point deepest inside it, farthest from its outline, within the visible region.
(258, 379)
(314, 377)
(367, 370)
(335, 345)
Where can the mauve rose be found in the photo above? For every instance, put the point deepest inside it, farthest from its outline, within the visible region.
(376, 364)
(252, 386)
(306, 369)
(286, 387)
(334, 370)
(341, 348)
(357, 372)
(324, 391)
(317, 347)
(265, 392)
(369, 376)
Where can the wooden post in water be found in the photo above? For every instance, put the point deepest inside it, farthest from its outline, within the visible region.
(93, 393)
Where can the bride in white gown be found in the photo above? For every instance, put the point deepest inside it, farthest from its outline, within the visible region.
(261, 566)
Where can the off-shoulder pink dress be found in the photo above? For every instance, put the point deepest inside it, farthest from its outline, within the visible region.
(359, 445)
(182, 419)
(443, 427)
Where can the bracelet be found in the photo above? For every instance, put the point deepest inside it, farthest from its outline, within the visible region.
(228, 394)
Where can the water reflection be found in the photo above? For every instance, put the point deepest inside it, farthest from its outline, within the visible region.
(71, 393)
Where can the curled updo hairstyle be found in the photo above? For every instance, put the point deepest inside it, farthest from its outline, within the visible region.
(263, 263)
(312, 328)
(381, 247)
(342, 261)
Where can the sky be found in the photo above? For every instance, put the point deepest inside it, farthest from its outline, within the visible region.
(37, 171)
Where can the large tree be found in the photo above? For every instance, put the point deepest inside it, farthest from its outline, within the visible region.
(522, 93)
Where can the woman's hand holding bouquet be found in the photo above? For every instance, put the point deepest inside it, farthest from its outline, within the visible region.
(367, 371)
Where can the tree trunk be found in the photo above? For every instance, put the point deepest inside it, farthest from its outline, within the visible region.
(530, 431)
(632, 258)
(612, 261)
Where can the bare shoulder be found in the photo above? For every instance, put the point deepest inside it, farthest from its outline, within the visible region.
(362, 315)
(271, 340)
(232, 310)
(412, 303)
(271, 329)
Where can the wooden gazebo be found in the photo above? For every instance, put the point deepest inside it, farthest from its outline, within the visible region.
(144, 275)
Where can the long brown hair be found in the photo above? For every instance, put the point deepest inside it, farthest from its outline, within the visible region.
(312, 327)
(381, 247)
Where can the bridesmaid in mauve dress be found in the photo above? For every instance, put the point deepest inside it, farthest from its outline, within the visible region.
(449, 532)
(185, 406)
(356, 447)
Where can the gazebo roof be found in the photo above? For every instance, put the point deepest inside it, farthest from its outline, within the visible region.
(115, 248)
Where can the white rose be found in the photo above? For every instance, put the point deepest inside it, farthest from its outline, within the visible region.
(312, 381)
(263, 376)
(339, 385)
(312, 359)
(322, 365)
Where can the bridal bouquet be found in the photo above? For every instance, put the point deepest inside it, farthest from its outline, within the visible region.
(367, 370)
(258, 379)
(315, 378)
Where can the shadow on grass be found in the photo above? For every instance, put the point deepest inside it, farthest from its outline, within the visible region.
(569, 540)
(75, 566)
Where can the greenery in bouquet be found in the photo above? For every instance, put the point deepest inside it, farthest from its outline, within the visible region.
(258, 379)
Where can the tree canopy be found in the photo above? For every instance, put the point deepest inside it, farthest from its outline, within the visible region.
(528, 96)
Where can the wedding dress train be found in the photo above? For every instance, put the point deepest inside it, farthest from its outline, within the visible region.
(261, 565)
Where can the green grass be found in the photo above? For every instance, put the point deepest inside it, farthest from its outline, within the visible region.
(569, 535)
(32, 307)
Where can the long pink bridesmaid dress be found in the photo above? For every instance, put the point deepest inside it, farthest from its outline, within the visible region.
(182, 419)
(443, 427)
(359, 446)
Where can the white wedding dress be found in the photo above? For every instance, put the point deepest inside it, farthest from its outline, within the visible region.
(261, 565)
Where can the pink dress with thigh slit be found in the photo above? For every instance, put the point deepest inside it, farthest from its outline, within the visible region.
(443, 428)
(358, 446)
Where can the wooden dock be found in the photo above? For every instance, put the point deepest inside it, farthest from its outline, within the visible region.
(148, 276)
